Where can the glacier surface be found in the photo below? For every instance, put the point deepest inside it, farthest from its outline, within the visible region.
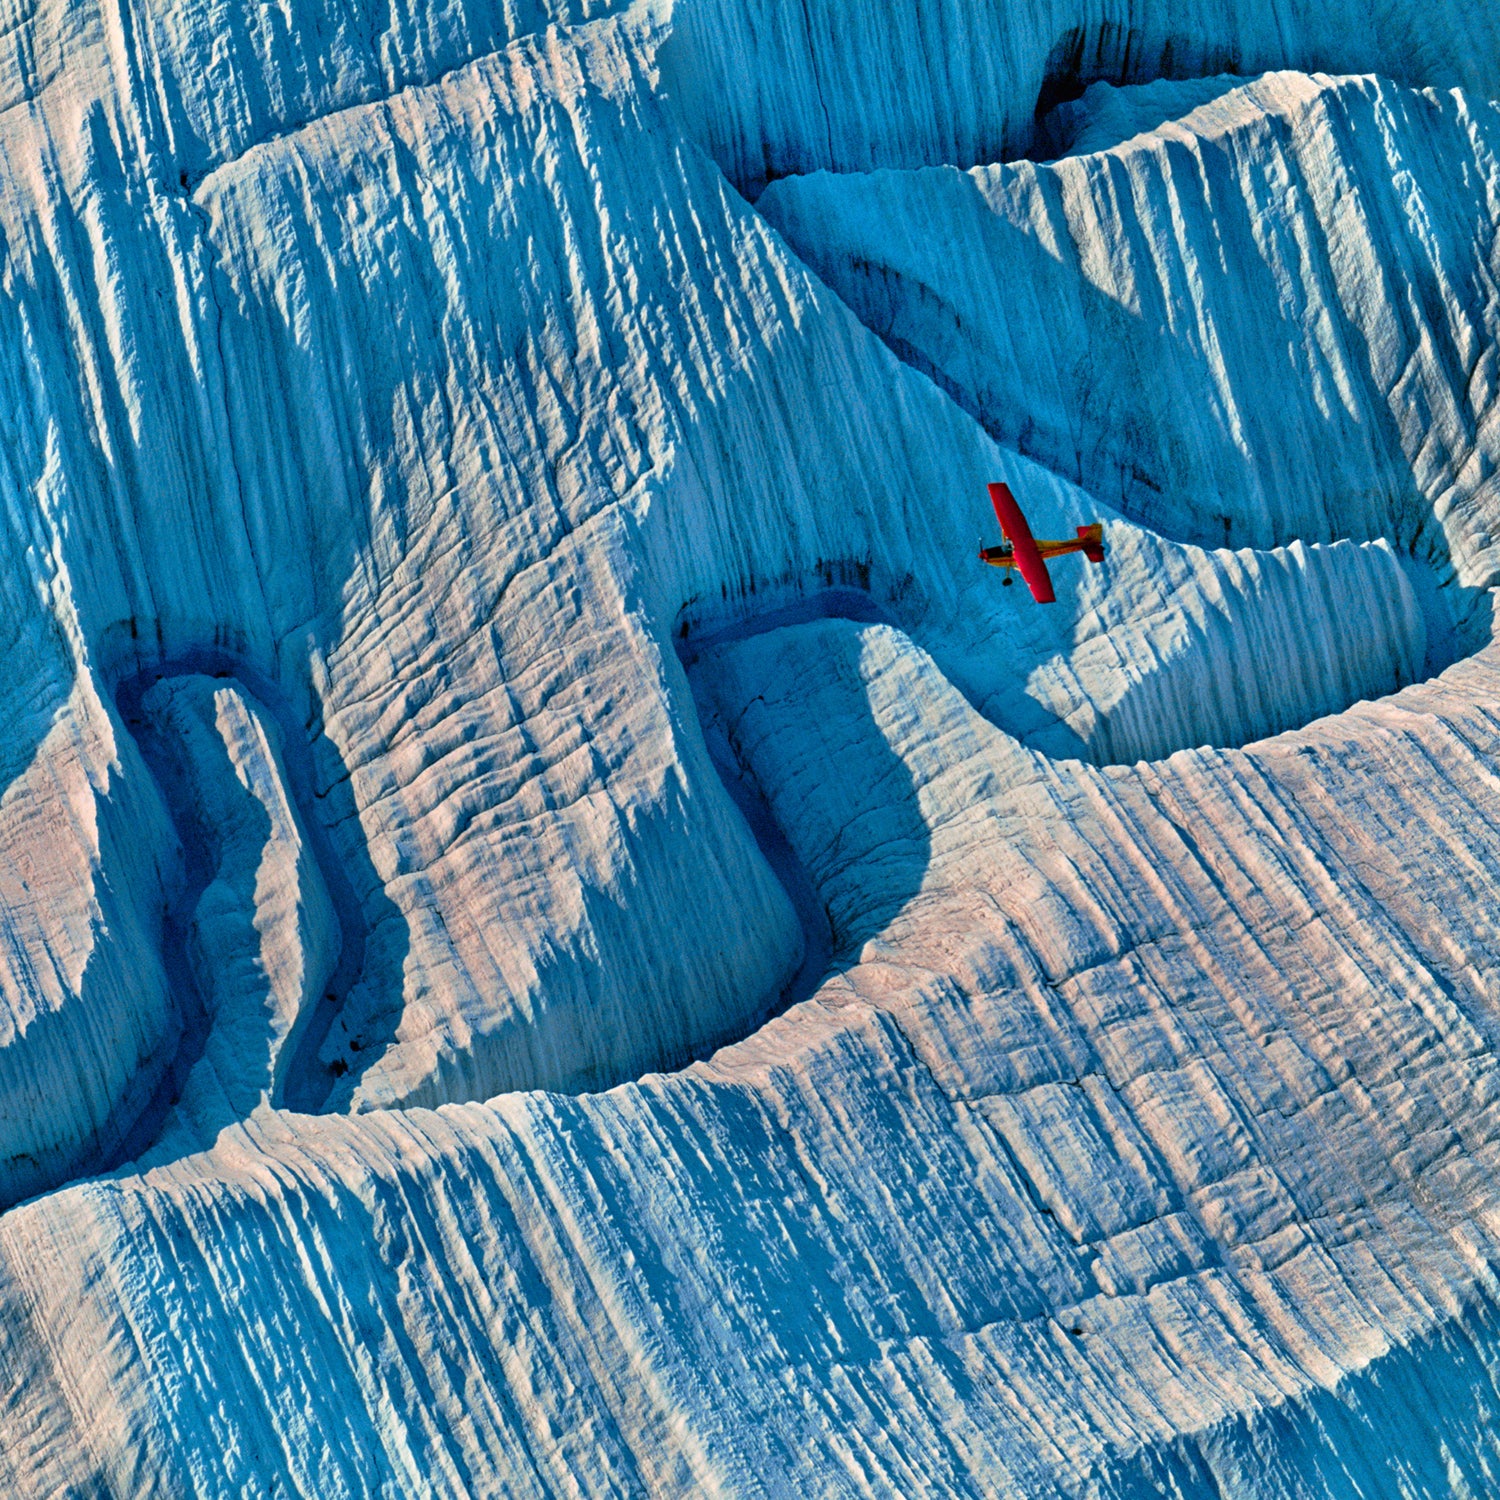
(1247, 371)
(560, 936)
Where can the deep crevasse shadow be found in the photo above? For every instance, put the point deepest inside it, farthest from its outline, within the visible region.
(354, 891)
(794, 735)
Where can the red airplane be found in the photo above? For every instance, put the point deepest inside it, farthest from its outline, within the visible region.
(1024, 551)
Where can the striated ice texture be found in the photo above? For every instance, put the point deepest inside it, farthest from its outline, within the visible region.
(1235, 365)
(261, 937)
(1188, 321)
(560, 935)
(911, 83)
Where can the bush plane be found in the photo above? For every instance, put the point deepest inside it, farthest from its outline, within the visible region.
(1026, 552)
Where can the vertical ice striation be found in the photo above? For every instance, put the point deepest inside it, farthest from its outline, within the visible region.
(88, 1022)
(1176, 646)
(1195, 322)
(822, 85)
(258, 937)
(416, 369)
(1142, 1139)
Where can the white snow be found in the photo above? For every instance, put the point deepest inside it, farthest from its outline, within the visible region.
(1190, 323)
(412, 395)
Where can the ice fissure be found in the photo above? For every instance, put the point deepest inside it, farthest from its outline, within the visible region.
(264, 937)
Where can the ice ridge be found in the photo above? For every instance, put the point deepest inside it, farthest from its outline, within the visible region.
(484, 478)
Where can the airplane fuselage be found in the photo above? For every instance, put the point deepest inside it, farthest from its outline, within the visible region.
(1088, 540)
(1021, 551)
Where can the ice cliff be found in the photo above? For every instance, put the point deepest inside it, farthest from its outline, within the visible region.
(1249, 372)
(785, 87)
(559, 935)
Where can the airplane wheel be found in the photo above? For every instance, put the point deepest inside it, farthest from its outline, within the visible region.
(1006, 582)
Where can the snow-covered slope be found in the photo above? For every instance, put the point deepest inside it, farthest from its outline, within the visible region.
(1191, 323)
(774, 88)
(466, 439)
(386, 420)
(1149, 1107)
(259, 935)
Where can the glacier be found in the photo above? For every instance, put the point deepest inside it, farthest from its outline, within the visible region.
(1250, 374)
(913, 83)
(561, 936)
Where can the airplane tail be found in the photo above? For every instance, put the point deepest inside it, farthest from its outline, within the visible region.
(1092, 538)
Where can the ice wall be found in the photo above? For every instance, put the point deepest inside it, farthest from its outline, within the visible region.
(1144, 1139)
(775, 88)
(1273, 317)
(256, 936)
(87, 1023)
(437, 389)
(1142, 1119)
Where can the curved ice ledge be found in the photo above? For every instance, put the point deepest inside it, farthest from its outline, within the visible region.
(263, 934)
(1141, 1102)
